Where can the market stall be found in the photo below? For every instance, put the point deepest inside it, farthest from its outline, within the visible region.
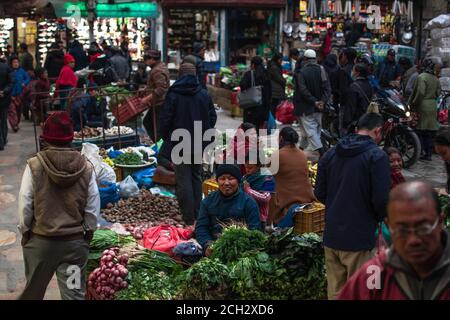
(6, 30)
(352, 23)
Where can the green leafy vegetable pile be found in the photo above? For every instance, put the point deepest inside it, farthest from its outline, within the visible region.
(128, 158)
(145, 285)
(445, 209)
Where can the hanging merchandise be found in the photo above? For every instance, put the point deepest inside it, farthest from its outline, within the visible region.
(6, 25)
(312, 9)
(324, 8)
(357, 9)
(396, 7)
(348, 8)
(338, 7)
(403, 9)
(410, 15)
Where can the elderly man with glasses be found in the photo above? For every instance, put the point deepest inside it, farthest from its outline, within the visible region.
(417, 266)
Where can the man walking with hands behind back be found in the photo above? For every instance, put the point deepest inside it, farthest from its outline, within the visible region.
(59, 204)
(312, 92)
(353, 182)
(158, 84)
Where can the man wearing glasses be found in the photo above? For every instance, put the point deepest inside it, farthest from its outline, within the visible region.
(417, 266)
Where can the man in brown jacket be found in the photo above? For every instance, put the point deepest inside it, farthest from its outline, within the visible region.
(59, 204)
(158, 84)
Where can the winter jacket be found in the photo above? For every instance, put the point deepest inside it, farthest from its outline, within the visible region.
(61, 179)
(405, 79)
(311, 85)
(21, 78)
(261, 79)
(356, 101)
(121, 66)
(423, 101)
(26, 61)
(54, 63)
(216, 209)
(353, 182)
(81, 58)
(344, 80)
(67, 77)
(199, 64)
(159, 83)
(398, 280)
(277, 81)
(292, 184)
(6, 85)
(78, 108)
(332, 68)
(388, 71)
(187, 102)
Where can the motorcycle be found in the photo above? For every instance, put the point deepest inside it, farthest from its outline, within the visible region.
(396, 130)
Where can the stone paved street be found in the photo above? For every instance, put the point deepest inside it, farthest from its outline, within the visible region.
(12, 162)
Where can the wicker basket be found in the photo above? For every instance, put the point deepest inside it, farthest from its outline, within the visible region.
(119, 173)
(310, 219)
(209, 185)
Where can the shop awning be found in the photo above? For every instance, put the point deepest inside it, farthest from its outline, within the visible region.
(104, 10)
(224, 3)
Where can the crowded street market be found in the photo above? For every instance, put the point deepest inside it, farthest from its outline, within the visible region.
(224, 150)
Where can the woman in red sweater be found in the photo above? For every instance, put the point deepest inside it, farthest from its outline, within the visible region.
(67, 80)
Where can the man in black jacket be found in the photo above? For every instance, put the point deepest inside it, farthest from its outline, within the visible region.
(54, 61)
(6, 83)
(187, 110)
(26, 59)
(353, 182)
(312, 92)
(357, 98)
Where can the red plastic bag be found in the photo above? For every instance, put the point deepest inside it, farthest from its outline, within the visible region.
(285, 112)
(165, 237)
(443, 116)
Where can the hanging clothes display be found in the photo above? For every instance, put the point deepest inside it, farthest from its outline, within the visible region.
(348, 8)
(357, 9)
(324, 8)
(312, 8)
(338, 7)
(410, 15)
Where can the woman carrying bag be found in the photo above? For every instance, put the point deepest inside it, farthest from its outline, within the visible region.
(256, 113)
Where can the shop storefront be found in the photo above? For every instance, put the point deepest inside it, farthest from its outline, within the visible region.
(233, 31)
(352, 23)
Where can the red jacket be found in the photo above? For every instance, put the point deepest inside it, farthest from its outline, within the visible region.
(357, 289)
(67, 77)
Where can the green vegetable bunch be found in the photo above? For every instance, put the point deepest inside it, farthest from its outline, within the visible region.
(148, 285)
(128, 158)
(235, 242)
(154, 261)
(208, 279)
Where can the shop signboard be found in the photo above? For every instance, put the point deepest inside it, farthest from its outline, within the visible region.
(73, 9)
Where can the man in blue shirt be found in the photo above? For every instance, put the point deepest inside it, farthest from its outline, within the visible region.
(229, 203)
(388, 70)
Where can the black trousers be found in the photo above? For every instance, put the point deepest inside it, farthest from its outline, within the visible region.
(189, 190)
(3, 126)
(148, 123)
(426, 141)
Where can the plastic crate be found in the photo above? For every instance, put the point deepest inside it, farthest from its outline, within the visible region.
(128, 110)
(310, 219)
(209, 186)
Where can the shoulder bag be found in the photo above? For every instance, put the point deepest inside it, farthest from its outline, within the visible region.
(251, 97)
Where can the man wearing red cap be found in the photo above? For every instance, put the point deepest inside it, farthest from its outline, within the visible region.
(59, 204)
(67, 79)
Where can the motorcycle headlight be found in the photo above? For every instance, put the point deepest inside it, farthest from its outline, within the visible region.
(408, 114)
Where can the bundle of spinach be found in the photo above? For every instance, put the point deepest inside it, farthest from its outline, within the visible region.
(303, 258)
(206, 280)
(128, 158)
(257, 276)
(235, 242)
(154, 261)
(148, 285)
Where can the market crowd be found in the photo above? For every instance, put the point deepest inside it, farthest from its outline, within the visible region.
(364, 193)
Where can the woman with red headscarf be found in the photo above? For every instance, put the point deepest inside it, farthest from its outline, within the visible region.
(67, 80)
